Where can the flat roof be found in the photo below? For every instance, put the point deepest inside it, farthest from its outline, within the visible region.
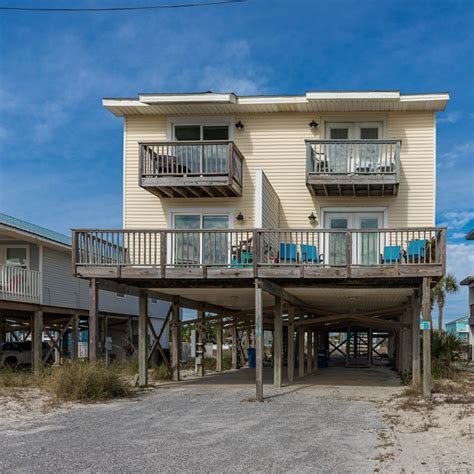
(14, 223)
(311, 101)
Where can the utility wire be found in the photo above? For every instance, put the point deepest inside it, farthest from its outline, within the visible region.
(117, 9)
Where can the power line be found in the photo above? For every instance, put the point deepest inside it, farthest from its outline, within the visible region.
(118, 9)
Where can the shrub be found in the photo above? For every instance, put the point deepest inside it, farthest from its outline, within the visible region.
(445, 349)
(82, 381)
(161, 372)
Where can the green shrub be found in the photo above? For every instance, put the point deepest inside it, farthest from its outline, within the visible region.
(445, 349)
(82, 381)
(161, 372)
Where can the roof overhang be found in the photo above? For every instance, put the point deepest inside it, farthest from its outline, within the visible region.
(468, 281)
(24, 235)
(470, 235)
(225, 103)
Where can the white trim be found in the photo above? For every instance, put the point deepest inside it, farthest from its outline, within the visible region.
(423, 97)
(324, 210)
(213, 211)
(357, 95)
(124, 169)
(31, 237)
(207, 97)
(259, 199)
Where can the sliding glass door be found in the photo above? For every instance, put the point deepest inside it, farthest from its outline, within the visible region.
(196, 248)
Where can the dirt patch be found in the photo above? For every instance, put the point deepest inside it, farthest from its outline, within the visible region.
(434, 435)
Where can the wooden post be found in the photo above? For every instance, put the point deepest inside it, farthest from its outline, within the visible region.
(143, 339)
(316, 350)
(291, 345)
(258, 341)
(416, 363)
(277, 342)
(426, 309)
(93, 320)
(219, 346)
(348, 345)
(301, 351)
(75, 337)
(176, 342)
(37, 342)
(309, 342)
(370, 345)
(234, 345)
(105, 336)
(200, 345)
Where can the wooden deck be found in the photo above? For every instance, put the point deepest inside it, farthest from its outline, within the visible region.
(243, 255)
(353, 167)
(191, 169)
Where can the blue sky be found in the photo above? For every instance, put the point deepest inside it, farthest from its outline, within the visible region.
(61, 152)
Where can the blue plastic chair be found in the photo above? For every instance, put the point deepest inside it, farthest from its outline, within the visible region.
(309, 253)
(288, 252)
(392, 254)
(416, 249)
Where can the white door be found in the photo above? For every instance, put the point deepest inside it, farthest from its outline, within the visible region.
(365, 245)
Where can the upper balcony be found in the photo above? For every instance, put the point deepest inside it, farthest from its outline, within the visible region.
(353, 167)
(191, 169)
(20, 284)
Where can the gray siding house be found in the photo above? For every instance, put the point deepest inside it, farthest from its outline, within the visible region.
(35, 273)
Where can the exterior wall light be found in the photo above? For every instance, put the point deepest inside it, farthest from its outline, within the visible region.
(313, 124)
(239, 125)
(313, 220)
(239, 217)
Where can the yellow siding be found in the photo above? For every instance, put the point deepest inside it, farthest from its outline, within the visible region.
(275, 143)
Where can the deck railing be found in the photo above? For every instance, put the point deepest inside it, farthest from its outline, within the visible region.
(188, 159)
(20, 284)
(255, 247)
(360, 157)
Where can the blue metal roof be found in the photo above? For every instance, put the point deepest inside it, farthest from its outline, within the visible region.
(35, 229)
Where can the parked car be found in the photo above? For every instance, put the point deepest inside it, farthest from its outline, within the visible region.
(18, 353)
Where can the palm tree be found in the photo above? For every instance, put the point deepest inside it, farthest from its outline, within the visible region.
(447, 285)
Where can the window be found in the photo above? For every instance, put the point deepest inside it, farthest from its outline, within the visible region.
(201, 132)
(120, 295)
(17, 256)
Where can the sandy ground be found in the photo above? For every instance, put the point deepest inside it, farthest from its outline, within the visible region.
(337, 420)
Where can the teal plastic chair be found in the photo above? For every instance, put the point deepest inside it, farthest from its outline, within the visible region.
(392, 254)
(309, 254)
(288, 253)
(416, 250)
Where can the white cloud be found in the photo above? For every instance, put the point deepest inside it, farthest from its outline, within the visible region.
(457, 219)
(458, 235)
(450, 117)
(458, 152)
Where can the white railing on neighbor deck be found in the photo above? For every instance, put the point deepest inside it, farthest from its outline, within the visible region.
(19, 284)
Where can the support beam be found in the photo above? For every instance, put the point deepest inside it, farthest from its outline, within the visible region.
(291, 345)
(175, 342)
(219, 346)
(143, 339)
(234, 345)
(258, 341)
(309, 347)
(37, 342)
(75, 337)
(316, 350)
(200, 345)
(301, 351)
(278, 342)
(370, 345)
(416, 363)
(426, 309)
(93, 320)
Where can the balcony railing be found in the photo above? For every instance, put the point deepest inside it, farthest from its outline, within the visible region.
(256, 249)
(358, 167)
(191, 169)
(20, 284)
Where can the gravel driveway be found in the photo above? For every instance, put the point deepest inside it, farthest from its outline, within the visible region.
(199, 428)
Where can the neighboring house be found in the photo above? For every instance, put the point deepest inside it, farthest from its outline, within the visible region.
(326, 199)
(469, 282)
(35, 273)
(460, 327)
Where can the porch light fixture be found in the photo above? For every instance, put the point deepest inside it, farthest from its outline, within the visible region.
(313, 124)
(239, 217)
(239, 125)
(312, 218)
